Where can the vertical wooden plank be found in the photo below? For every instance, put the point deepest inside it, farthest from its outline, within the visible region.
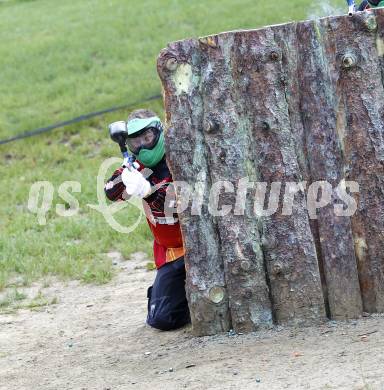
(287, 39)
(288, 244)
(179, 70)
(360, 88)
(318, 110)
(226, 133)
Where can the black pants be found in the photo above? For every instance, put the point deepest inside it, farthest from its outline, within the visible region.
(167, 303)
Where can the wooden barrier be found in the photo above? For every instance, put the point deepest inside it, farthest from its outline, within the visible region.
(293, 103)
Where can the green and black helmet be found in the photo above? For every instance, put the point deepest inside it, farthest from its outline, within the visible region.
(146, 140)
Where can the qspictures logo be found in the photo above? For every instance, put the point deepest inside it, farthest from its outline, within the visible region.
(220, 198)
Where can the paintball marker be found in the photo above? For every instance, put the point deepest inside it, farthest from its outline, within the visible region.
(119, 134)
(351, 7)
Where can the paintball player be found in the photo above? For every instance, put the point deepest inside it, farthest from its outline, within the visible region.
(367, 4)
(167, 303)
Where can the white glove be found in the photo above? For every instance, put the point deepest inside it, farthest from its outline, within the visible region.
(135, 183)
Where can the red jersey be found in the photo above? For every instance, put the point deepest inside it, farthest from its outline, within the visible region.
(168, 241)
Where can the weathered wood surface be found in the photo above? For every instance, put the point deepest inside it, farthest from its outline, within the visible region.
(296, 295)
(295, 103)
(320, 111)
(206, 286)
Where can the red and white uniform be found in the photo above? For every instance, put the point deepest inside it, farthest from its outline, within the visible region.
(168, 240)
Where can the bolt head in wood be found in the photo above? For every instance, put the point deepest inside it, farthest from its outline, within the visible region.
(370, 23)
(211, 125)
(171, 64)
(348, 60)
(265, 126)
(216, 294)
(274, 55)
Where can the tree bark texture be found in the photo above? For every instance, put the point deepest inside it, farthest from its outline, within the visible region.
(286, 105)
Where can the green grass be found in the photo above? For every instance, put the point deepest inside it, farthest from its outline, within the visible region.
(60, 59)
(39, 301)
(15, 299)
(12, 296)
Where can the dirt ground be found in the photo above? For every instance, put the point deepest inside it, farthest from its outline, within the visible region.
(95, 338)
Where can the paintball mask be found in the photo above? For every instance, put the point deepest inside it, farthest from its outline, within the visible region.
(146, 140)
